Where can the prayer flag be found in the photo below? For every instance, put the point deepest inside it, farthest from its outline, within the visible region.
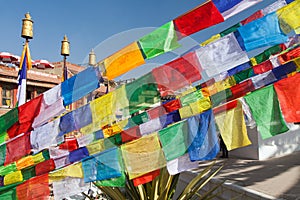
(264, 79)
(143, 155)
(289, 17)
(14, 177)
(174, 140)
(265, 109)
(258, 14)
(123, 61)
(283, 70)
(243, 75)
(2, 154)
(274, 7)
(241, 89)
(233, 128)
(82, 116)
(263, 67)
(131, 134)
(288, 94)
(146, 178)
(102, 166)
(67, 123)
(181, 164)
(151, 126)
(172, 105)
(74, 170)
(156, 112)
(34, 188)
(202, 137)
(25, 64)
(8, 119)
(159, 41)
(177, 74)
(262, 32)
(78, 154)
(221, 55)
(113, 182)
(230, 30)
(44, 167)
(202, 17)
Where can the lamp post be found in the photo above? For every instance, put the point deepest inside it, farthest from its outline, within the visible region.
(65, 51)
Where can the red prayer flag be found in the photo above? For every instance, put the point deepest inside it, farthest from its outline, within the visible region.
(70, 144)
(254, 16)
(156, 112)
(177, 74)
(131, 134)
(295, 53)
(242, 89)
(172, 105)
(288, 92)
(146, 178)
(17, 148)
(202, 17)
(44, 167)
(225, 107)
(263, 67)
(34, 188)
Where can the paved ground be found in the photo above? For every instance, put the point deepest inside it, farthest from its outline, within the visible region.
(278, 177)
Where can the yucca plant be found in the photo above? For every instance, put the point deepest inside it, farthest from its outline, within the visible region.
(163, 187)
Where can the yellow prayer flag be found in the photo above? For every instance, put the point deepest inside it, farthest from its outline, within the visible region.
(96, 147)
(224, 84)
(143, 155)
(120, 102)
(24, 162)
(190, 90)
(37, 158)
(123, 61)
(253, 61)
(232, 127)
(74, 171)
(14, 177)
(297, 62)
(185, 112)
(211, 39)
(91, 128)
(201, 105)
(289, 17)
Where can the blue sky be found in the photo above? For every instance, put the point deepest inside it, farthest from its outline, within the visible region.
(106, 26)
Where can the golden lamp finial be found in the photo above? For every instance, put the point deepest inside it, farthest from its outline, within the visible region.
(65, 47)
(92, 58)
(27, 27)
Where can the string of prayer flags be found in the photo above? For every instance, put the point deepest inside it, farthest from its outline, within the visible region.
(289, 17)
(198, 19)
(102, 166)
(262, 32)
(232, 128)
(159, 41)
(69, 186)
(142, 93)
(8, 119)
(183, 163)
(265, 109)
(24, 148)
(265, 55)
(202, 137)
(146, 178)
(44, 136)
(290, 55)
(174, 140)
(177, 74)
(288, 94)
(34, 188)
(243, 75)
(143, 155)
(123, 61)
(79, 85)
(237, 6)
(221, 55)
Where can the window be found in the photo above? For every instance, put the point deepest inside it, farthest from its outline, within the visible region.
(7, 96)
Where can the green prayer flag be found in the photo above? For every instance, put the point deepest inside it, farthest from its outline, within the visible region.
(174, 140)
(267, 53)
(112, 141)
(191, 97)
(28, 173)
(2, 154)
(8, 169)
(138, 119)
(3, 137)
(159, 41)
(8, 119)
(142, 93)
(114, 182)
(46, 154)
(266, 112)
(230, 30)
(8, 194)
(220, 97)
(243, 75)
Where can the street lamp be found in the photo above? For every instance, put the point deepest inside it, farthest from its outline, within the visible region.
(65, 51)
